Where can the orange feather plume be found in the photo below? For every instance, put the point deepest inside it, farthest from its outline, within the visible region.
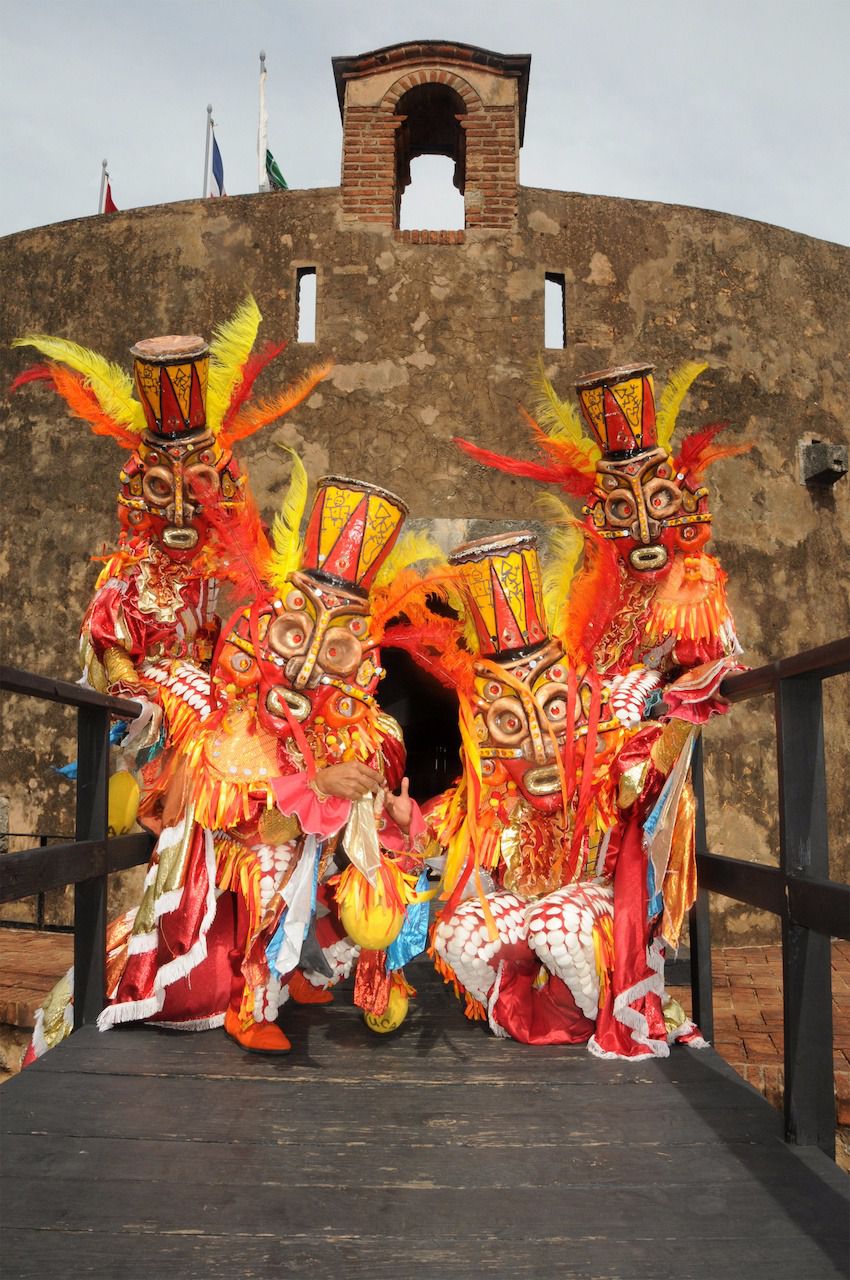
(594, 598)
(252, 418)
(80, 399)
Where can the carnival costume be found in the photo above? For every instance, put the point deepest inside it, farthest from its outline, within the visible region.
(156, 595)
(644, 619)
(663, 609)
(155, 598)
(237, 794)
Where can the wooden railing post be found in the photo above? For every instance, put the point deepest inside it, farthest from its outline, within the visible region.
(806, 955)
(699, 920)
(90, 895)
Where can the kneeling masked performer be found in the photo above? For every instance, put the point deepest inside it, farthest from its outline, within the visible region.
(550, 927)
(283, 771)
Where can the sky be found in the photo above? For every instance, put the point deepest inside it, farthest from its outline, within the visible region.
(736, 105)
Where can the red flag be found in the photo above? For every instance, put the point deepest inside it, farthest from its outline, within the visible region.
(109, 205)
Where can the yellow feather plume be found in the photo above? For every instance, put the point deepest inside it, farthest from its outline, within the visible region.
(565, 546)
(110, 384)
(286, 528)
(559, 418)
(678, 385)
(229, 349)
(411, 548)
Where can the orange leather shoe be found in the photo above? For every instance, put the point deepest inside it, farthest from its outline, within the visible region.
(303, 992)
(259, 1037)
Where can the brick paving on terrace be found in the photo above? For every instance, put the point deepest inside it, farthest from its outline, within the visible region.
(747, 1006)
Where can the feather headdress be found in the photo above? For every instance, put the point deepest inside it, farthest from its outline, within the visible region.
(572, 455)
(101, 392)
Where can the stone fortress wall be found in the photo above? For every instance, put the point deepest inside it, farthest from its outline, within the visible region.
(437, 334)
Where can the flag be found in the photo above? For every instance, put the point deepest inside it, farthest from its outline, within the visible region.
(277, 182)
(217, 184)
(109, 205)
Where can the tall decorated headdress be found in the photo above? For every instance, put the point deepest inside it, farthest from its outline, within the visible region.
(501, 580)
(170, 375)
(352, 529)
(193, 402)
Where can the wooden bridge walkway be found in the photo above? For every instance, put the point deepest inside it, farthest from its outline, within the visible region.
(436, 1152)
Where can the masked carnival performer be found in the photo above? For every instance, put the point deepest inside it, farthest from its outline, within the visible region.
(664, 612)
(155, 599)
(282, 772)
(549, 927)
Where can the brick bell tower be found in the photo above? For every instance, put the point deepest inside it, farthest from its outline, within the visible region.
(432, 97)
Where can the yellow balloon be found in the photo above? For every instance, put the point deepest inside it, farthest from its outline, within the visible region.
(123, 802)
(394, 1014)
(367, 916)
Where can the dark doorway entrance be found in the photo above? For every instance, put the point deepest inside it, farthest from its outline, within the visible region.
(427, 713)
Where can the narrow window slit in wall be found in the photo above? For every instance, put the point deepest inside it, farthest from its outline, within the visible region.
(305, 304)
(555, 311)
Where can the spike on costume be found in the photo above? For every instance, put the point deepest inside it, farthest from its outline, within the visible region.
(536, 842)
(291, 693)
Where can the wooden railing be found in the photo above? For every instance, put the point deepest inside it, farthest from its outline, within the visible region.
(811, 907)
(86, 861)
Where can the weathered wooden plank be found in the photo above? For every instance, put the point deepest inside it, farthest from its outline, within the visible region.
(260, 1254)
(623, 1211)
(352, 1110)
(295, 1160)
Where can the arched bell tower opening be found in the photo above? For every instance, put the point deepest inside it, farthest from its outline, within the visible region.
(432, 98)
(430, 127)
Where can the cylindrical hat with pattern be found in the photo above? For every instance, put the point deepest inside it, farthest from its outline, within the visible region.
(171, 382)
(619, 407)
(504, 590)
(352, 529)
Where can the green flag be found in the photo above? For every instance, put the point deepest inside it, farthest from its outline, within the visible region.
(277, 182)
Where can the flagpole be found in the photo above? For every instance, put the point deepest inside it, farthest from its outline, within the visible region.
(263, 129)
(104, 175)
(207, 151)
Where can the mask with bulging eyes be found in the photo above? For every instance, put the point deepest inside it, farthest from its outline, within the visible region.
(521, 722)
(315, 658)
(166, 485)
(650, 512)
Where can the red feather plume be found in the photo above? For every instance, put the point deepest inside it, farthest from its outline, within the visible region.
(251, 370)
(38, 373)
(241, 551)
(696, 453)
(560, 473)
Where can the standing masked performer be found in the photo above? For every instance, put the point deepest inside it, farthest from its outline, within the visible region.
(277, 772)
(153, 610)
(647, 614)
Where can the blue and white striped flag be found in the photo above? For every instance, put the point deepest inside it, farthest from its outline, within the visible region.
(217, 183)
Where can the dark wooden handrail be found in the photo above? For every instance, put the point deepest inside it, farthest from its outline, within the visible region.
(831, 659)
(811, 907)
(31, 685)
(87, 861)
